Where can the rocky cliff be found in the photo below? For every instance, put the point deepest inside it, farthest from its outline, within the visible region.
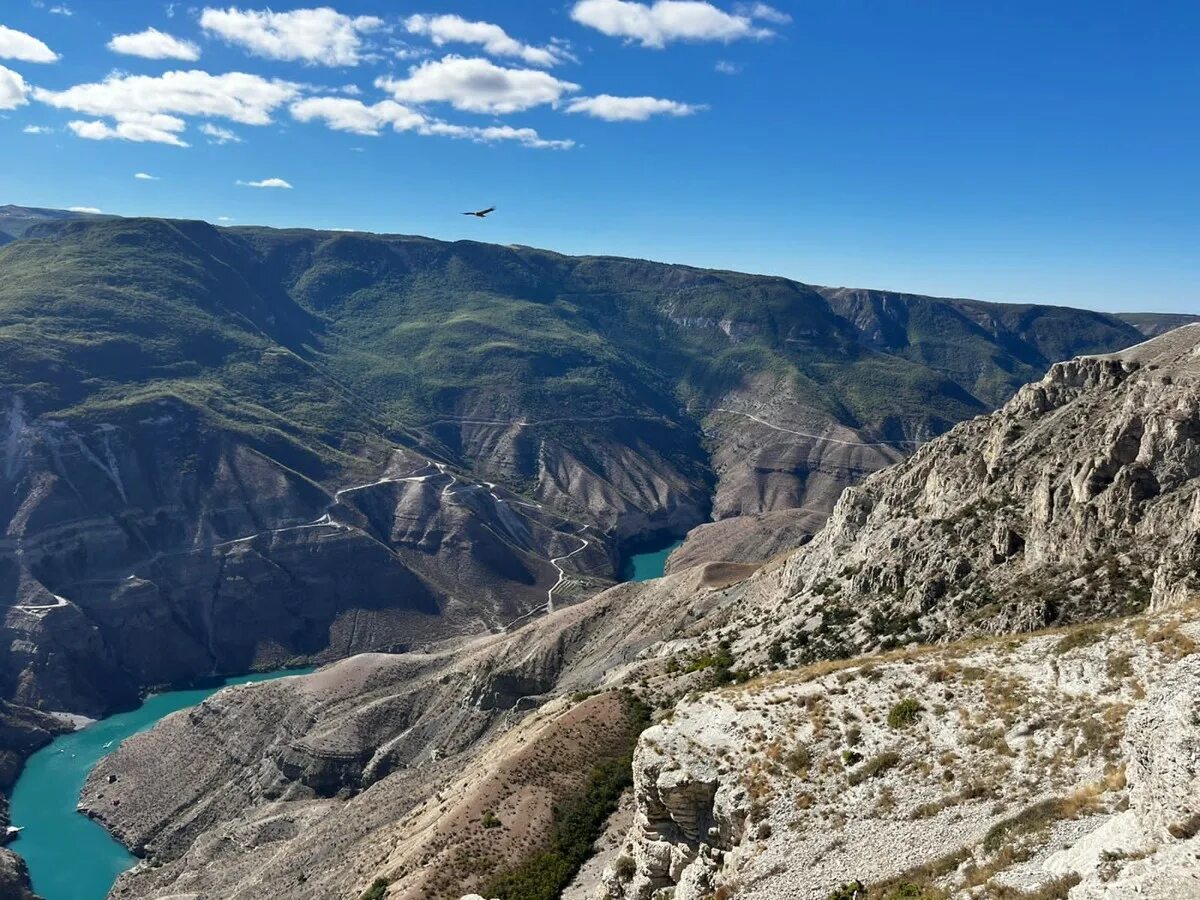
(993, 766)
(998, 768)
(1076, 500)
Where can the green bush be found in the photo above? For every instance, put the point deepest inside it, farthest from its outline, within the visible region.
(377, 890)
(490, 819)
(904, 713)
(851, 890)
(874, 767)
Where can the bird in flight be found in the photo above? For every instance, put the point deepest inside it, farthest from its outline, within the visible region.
(481, 213)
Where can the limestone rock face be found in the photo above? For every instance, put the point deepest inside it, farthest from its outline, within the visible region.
(1079, 499)
(1023, 765)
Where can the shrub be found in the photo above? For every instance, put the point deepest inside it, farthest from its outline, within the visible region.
(1081, 637)
(625, 868)
(851, 758)
(798, 760)
(904, 713)
(851, 890)
(874, 767)
(490, 819)
(377, 890)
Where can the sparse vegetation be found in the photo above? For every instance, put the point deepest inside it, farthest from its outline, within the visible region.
(874, 767)
(577, 823)
(904, 713)
(377, 890)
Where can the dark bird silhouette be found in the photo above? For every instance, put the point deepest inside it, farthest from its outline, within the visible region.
(481, 213)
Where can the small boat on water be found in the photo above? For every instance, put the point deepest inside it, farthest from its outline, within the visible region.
(106, 746)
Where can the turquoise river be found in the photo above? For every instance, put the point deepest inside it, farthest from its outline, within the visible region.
(71, 857)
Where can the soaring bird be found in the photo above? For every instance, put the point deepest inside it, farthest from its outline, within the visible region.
(481, 213)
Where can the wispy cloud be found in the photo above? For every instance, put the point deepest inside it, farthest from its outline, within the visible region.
(266, 183)
(660, 23)
(477, 85)
(450, 29)
(91, 210)
(765, 12)
(218, 135)
(37, 129)
(316, 36)
(143, 176)
(727, 68)
(154, 44)
(25, 47)
(630, 109)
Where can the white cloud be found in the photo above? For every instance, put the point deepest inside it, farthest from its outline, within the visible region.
(630, 109)
(13, 90)
(148, 108)
(154, 44)
(491, 134)
(657, 24)
(727, 68)
(267, 183)
(244, 98)
(142, 176)
(322, 35)
(19, 45)
(141, 128)
(477, 85)
(38, 129)
(449, 29)
(766, 13)
(224, 219)
(345, 114)
(62, 11)
(85, 209)
(219, 135)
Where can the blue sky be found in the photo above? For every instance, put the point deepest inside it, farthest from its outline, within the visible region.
(1021, 151)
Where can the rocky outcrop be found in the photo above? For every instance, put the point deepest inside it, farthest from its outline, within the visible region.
(14, 877)
(1077, 500)
(1061, 762)
(1057, 760)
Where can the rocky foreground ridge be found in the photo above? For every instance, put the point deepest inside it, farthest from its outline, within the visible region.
(977, 765)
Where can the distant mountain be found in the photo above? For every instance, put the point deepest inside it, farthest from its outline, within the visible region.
(16, 220)
(1154, 324)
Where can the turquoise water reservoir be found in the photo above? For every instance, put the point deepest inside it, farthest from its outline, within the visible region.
(650, 563)
(71, 857)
